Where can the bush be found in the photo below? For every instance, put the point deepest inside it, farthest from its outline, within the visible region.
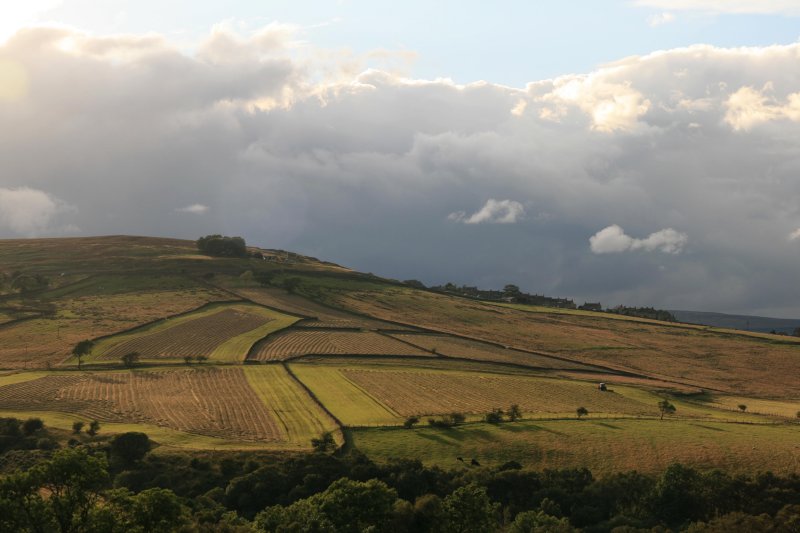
(31, 426)
(46, 443)
(130, 447)
(77, 427)
(410, 421)
(495, 416)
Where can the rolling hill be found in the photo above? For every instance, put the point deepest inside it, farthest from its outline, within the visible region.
(269, 351)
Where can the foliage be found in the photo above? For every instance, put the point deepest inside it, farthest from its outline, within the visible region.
(94, 427)
(581, 411)
(324, 443)
(82, 349)
(410, 422)
(469, 510)
(222, 246)
(130, 359)
(128, 448)
(666, 408)
(495, 416)
(514, 413)
(31, 426)
(77, 427)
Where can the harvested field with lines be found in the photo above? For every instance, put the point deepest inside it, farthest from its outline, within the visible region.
(424, 393)
(195, 337)
(738, 364)
(468, 349)
(216, 402)
(221, 332)
(295, 343)
(325, 316)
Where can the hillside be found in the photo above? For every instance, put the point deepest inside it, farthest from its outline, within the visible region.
(269, 351)
(761, 324)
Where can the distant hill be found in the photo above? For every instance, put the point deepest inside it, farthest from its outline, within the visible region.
(746, 322)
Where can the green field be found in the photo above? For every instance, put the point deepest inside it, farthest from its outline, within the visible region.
(602, 445)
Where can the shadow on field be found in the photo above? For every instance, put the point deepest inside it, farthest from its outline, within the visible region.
(710, 428)
(607, 425)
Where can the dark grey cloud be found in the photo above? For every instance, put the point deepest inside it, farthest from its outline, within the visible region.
(291, 149)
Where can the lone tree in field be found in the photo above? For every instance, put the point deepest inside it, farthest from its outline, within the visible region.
(581, 411)
(666, 408)
(514, 413)
(77, 427)
(201, 358)
(82, 348)
(187, 359)
(495, 416)
(130, 359)
(94, 428)
(324, 443)
(410, 421)
(742, 407)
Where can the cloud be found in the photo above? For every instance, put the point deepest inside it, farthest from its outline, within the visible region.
(613, 239)
(768, 7)
(660, 19)
(29, 212)
(493, 212)
(301, 148)
(196, 209)
(749, 107)
(793, 236)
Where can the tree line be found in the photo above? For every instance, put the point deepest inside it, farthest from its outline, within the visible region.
(115, 484)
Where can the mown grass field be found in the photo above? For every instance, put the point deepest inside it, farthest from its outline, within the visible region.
(603, 445)
(260, 405)
(222, 332)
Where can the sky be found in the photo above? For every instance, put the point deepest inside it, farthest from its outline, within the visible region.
(637, 152)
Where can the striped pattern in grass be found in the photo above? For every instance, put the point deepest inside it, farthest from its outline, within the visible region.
(222, 332)
(295, 343)
(481, 351)
(300, 416)
(411, 392)
(215, 402)
(347, 401)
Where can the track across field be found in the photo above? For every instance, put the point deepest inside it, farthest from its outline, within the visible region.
(297, 342)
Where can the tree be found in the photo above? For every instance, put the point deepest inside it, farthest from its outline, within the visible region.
(187, 359)
(742, 407)
(495, 416)
(128, 448)
(94, 427)
(458, 418)
(291, 284)
(31, 426)
(84, 347)
(324, 443)
(130, 359)
(581, 411)
(666, 408)
(222, 246)
(469, 510)
(201, 358)
(77, 427)
(514, 413)
(410, 421)
(540, 522)
(511, 291)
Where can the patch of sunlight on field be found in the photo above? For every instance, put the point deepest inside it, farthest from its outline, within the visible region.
(233, 349)
(603, 446)
(348, 402)
(302, 418)
(782, 408)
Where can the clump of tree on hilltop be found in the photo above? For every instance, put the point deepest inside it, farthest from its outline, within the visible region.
(222, 246)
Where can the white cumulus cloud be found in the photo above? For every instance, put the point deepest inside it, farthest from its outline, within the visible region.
(29, 212)
(196, 209)
(793, 236)
(613, 239)
(494, 212)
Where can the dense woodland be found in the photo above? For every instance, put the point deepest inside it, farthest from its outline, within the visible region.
(99, 484)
